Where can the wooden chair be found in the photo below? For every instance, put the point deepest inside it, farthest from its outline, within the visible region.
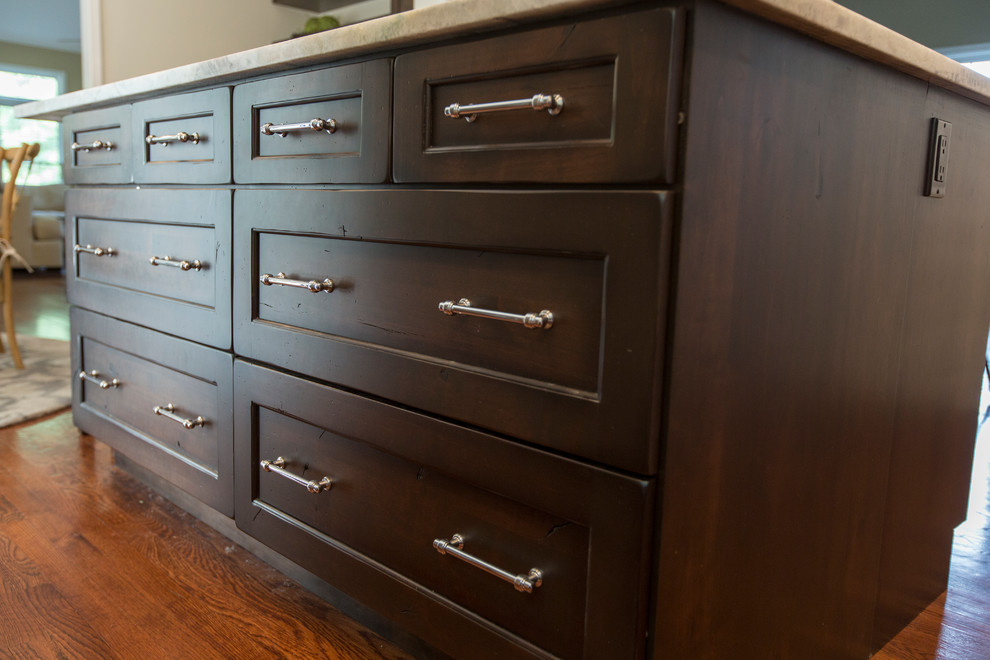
(14, 157)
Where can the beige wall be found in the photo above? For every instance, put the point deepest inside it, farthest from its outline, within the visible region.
(126, 38)
(143, 36)
(42, 58)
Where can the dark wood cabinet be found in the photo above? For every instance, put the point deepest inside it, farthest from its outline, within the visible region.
(126, 378)
(580, 385)
(279, 137)
(611, 88)
(158, 258)
(673, 322)
(401, 480)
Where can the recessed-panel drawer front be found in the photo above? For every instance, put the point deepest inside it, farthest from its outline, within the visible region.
(560, 104)
(546, 330)
(158, 258)
(96, 146)
(183, 139)
(363, 482)
(162, 401)
(326, 126)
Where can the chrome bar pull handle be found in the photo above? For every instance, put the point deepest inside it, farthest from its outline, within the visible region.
(544, 319)
(525, 583)
(93, 376)
(552, 103)
(92, 249)
(312, 285)
(166, 140)
(278, 467)
(168, 411)
(176, 263)
(328, 125)
(96, 144)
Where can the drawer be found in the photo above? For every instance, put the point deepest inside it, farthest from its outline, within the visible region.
(582, 90)
(355, 104)
(183, 138)
(189, 442)
(398, 481)
(580, 384)
(96, 146)
(158, 258)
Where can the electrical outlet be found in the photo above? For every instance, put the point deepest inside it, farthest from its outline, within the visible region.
(938, 157)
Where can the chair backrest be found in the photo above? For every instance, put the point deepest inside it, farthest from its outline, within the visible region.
(14, 157)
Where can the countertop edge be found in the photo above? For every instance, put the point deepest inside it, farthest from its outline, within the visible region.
(822, 20)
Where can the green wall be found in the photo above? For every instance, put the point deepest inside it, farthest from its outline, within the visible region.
(43, 58)
(941, 24)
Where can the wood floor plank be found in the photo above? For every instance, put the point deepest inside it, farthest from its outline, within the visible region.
(132, 568)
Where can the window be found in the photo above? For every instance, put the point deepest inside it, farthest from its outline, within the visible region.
(20, 85)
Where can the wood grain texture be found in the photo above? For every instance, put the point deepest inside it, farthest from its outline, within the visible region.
(956, 624)
(93, 564)
(828, 335)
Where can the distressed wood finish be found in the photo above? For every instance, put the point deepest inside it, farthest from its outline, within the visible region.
(155, 369)
(829, 329)
(206, 114)
(516, 508)
(140, 224)
(357, 97)
(113, 165)
(588, 386)
(620, 79)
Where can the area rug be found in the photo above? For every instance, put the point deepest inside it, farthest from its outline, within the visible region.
(42, 387)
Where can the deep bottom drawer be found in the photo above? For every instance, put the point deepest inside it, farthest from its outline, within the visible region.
(162, 401)
(367, 495)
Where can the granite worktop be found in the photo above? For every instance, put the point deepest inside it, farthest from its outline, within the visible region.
(821, 19)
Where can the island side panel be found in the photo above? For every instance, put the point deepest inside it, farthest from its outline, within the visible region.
(796, 308)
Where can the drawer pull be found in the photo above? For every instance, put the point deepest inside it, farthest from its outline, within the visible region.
(525, 583)
(168, 410)
(552, 103)
(94, 377)
(96, 144)
(175, 263)
(268, 279)
(282, 130)
(463, 306)
(166, 140)
(278, 467)
(98, 251)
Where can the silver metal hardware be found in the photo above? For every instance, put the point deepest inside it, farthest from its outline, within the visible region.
(176, 263)
(282, 130)
(313, 285)
(93, 376)
(463, 306)
(278, 467)
(525, 583)
(166, 140)
(552, 103)
(168, 410)
(90, 249)
(96, 144)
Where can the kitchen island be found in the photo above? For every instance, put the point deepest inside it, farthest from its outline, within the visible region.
(568, 328)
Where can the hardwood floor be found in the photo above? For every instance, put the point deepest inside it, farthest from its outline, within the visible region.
(94, 564)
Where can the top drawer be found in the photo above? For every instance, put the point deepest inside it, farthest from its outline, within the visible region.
(183, 139)
(325, 126)
(96, 146)
(603, 122)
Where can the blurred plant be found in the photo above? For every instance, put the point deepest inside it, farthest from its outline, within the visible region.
(320, 24)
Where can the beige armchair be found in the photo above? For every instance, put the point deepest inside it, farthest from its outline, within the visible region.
(37, 226)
